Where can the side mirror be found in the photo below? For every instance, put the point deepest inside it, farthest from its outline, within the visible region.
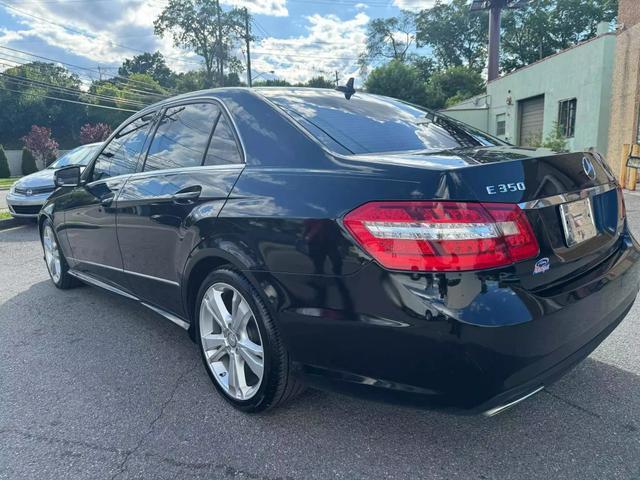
(67, 176)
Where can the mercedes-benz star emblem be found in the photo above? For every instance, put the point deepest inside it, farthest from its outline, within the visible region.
(588, 168)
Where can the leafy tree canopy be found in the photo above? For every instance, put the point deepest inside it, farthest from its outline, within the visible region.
(202, 26)
(389, 39)
(455, 35)
(397, 79)
(152, 64)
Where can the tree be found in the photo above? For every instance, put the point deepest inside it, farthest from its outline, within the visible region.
(545, 27)
(189, 81)
(453, 86)
(43, 147)
(319, 82)
(398, 80)
(456, 36)
(201, 25)
(272, 83)
(152, 64)
(24, 96)
(28, 162)
(98, 132)
(389, 39)
(4, 164)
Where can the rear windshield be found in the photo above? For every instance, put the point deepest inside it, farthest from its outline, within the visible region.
(373, 124)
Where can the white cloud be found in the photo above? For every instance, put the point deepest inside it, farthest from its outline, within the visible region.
(276, 8)
(331, 45)
(414, 5)
(361, 6)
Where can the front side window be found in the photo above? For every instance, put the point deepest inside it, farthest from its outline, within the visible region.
(182, 137)
(120, 156)
(567, 117)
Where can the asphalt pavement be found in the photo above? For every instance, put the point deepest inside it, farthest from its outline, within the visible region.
(95, 386)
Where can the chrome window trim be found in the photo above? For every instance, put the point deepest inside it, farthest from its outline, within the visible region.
(567, 197)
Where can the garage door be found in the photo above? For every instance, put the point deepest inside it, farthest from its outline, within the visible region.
(531, 120)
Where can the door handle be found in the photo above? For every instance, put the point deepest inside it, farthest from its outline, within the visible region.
(187, 195)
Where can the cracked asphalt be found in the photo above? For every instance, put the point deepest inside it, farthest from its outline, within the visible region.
(95, 386)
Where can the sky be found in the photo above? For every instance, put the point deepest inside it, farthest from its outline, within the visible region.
(296, 39)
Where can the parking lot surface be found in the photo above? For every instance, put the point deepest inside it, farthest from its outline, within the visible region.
(94, 386)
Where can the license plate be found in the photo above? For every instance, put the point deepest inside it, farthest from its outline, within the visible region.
(578, 222)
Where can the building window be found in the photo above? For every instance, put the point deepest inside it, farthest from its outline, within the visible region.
(501, 125)
(567, 117)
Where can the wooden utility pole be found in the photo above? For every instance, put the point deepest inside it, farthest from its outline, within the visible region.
(247, 36)
(495, 8)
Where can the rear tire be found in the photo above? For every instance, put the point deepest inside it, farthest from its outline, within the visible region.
(240, 345)
(54, 258)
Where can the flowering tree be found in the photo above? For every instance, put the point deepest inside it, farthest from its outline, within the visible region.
(98, 132)
(40, 143)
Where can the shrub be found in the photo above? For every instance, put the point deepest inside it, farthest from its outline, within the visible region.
(98, 132)
(4, 164)
(43, 147)
(28, 162)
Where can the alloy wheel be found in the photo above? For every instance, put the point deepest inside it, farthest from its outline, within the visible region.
(52, 254)
(231, 341)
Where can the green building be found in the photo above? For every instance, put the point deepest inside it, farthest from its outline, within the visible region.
(570, 90)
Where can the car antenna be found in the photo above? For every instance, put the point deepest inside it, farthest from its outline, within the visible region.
(347, 89)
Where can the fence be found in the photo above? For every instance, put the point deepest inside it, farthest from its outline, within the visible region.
(15, 161)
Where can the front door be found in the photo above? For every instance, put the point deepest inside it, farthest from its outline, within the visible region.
(90, 213)
(191, 166)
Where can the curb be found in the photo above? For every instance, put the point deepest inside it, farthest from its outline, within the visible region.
(12, 222)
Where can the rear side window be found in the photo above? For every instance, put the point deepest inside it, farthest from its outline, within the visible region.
(120, 156)
(223, 149)
(182, 136)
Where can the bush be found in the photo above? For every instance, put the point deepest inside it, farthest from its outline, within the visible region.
(4, 164)
(94, 133)
(28, 162)
(43, 147)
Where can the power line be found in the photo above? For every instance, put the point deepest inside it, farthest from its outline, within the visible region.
(129, 90)
(27, 82)
(67, 100)
(85, 34)
(127, 79)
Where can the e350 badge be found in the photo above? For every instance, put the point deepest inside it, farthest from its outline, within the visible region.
(542, 266)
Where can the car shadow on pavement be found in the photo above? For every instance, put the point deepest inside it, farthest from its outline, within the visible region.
(90, 367)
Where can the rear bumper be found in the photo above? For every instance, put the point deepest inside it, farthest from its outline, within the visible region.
(470, 342)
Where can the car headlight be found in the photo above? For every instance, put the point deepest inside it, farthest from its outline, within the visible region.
(12, 189)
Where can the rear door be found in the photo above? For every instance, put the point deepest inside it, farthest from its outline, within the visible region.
(193, 161)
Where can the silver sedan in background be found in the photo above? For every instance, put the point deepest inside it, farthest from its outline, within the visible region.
(27, 195)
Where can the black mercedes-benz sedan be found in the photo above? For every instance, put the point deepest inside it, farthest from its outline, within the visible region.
(360, 244)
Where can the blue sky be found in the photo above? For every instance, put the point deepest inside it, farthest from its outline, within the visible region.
(297, 38)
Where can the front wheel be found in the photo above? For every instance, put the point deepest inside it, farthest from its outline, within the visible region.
(240, 344)
(54, 258)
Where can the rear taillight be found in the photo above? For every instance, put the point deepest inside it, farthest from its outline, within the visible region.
(442, 236)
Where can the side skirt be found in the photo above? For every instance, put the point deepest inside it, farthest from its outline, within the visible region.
(84, 277)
